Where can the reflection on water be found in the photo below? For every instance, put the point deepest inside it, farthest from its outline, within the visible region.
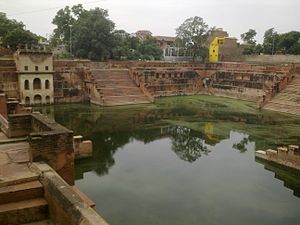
(289, 177)
(241, 146)
(150, 163)
(187, 144)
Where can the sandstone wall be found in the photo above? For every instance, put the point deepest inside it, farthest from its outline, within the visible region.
(263, 58)
(49, 141)
(9, 78)
(19, 125)
(66, 205)
(70, 80)
(52, 143)
(289, 157)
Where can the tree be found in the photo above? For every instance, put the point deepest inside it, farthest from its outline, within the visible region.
(270, 42)
(192, 34)
(187, 144)
(90, 31)
(121, 45)
(124, 46)
(149, 49)
(13, 33)
(248, 38)
(92, 35)
(63, 20)
(289, 43)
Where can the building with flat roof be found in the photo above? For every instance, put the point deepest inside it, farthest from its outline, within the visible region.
(34, 68)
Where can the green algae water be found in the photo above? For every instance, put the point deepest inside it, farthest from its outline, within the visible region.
(185, 161)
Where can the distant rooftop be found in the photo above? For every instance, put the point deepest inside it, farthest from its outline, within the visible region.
(165, 38)
(41, 49)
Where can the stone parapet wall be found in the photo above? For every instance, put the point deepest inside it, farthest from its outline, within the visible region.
(264, 58)
(144, 64)
(52, 143)
(19, 125)
(71, 63)
(289, 157)
(65, 205)
(236, 66)
(236, 93)
(48, 141)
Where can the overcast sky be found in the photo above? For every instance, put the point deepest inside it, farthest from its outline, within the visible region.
(161, 17)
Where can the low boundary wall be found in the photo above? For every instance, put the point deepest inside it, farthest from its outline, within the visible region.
(65, 205)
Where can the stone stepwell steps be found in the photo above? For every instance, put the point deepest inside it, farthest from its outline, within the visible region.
(125, 100)
(23, 191)
(117, 87)
(288, 100)
(26, 211)
(23, 203)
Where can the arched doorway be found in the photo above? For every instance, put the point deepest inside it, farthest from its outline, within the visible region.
(37, 83)
(27, 101)
(47, 100)
(47, 84)
(26, 85)
(37, 99)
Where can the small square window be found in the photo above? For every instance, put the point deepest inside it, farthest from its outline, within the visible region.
(46, 68)
(36, 68)
(26, 68)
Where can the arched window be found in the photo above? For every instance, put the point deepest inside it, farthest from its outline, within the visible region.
(26, 85)
(37, 99)
(47, 100)
(37, 83)
(27, 101)
(47, 84)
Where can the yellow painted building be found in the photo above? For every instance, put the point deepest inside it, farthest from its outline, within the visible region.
(214, 49)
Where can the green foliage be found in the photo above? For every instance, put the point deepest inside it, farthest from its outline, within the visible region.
(258, 49)
(122, 48)
(92, 36)
(248, 38)
(149, 49)
(86, 32)
(274, 43)
(128, 47)
(192, 34)
(270, 42)
(13, 33)
(289, 43)
(63, 21)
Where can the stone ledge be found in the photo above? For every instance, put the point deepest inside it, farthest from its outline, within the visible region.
(66, 206)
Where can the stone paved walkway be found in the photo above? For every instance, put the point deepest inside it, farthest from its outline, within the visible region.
(14, 158)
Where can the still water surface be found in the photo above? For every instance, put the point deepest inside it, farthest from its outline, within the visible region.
(183, 164)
